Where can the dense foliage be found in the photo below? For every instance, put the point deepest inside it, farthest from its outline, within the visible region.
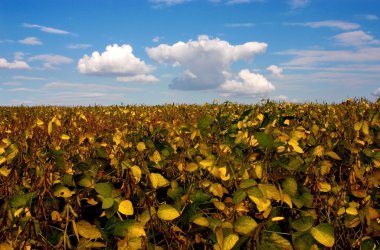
(222, 176)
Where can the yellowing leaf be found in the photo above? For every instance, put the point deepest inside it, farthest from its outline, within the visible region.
(4, 171)
(126, 207)
(39, 122)
(279, 218)
(158, 180)
(324, 187)
(2, 159)
(136, 172)
(206, 163)
(296, 148)
(50, 127)
(56, 216)
(167, 212)
(351, 211)
(156, 157)
(6, 246)
(191, 167)
(259, 171)
(333, 155)
(261, 204)
(201, 221)
(318, 151)
(140, 146)
(341, 211)
(88, 231)
(223, 174)
(287, 122)
(324, 234)
(365, 128)
(147, 215)
(245, 225)
(358, 126)
(61, 191)
(230, 241)
(135, 230)
(65, 137)
(219, 205)
(216, 189)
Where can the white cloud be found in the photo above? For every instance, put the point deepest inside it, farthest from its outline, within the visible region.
(276, 71)
(206, 62)
(79, 46)
(336, 24)
(19, 55)
(368, 17)
(16, 64)
(376, 92)
(239, 25)
(23, 90)
(355, 38)
(247, 85)
(138, 78)
(47, 29)
(156, 39)
(298, 4)
(30, 41)
(168, 2)
(115, 60)
(50, 61)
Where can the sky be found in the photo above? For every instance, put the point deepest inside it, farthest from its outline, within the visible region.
(107, 52)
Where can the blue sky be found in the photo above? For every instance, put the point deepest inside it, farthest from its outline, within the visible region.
(187, 51)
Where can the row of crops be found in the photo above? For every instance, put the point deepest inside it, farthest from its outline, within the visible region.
(213, 176)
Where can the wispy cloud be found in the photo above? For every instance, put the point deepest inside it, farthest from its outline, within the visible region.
(16, 64)
(367, 17)
(23, 90)
(376, 92)
(79, 46)
(168, 2)
(28, 78)
(239, 25)
(30, 41)
(336, 24)
(47, 29)
(50, 61)
(298, 4)
(356, 38)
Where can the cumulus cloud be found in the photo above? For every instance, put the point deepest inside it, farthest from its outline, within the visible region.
(376, 92)
(276, 71)
(336, 24)
(247, 85)
(30, 41)
(206, 62)
(355, 38)
(79, 46)
(47, 29)
(50, 61)
(16, 64)
(117, 61)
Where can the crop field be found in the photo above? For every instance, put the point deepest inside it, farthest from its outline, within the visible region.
(213, 176)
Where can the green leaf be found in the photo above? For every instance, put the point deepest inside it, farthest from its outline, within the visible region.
(275, 241)
(104, 189)
(290, 186)
(307, 199)
(88, 231)
(239, 196)
(303, 224)
(245, 225)
(22, 200)
(265, 140)
(247, 183)
(324, 234)
(302, 240)
(204, 122)
(368, 244)
(61, 191)
(107, 202)
(167, 212)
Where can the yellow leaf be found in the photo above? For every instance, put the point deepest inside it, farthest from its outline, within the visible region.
(318, 151)
(126, 207)
(324, 187)
(287, 199)
(201, 221)
(324, 234)
(333, 155)
(65, 137)
(39, 122)
(358, 126)
(206, 163)
(140, 146)
(279, 218)
(351, 211)
(136, 172)
(62, 191)
(167, 212)
(365, 128)
(56, 216)
(6, 246)
(260, 204)
(2, 150)
(341, 211)
(245, 225)
(4, 171)
(156, 157)
(259, 171)
(82, 116)
(50, 127)
(88, 231)
(158, 180)
(135, 230)
(147, 215)
(296, 148)
(223, 174)
(219, 205)
(260, 117)
(230, 241)
(191, 167)
(216, 189)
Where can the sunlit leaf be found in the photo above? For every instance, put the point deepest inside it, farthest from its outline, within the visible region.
(126, 207)
(167, 212)
(230, 241)
(88, 231)
(245, 225)
(324, 234)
